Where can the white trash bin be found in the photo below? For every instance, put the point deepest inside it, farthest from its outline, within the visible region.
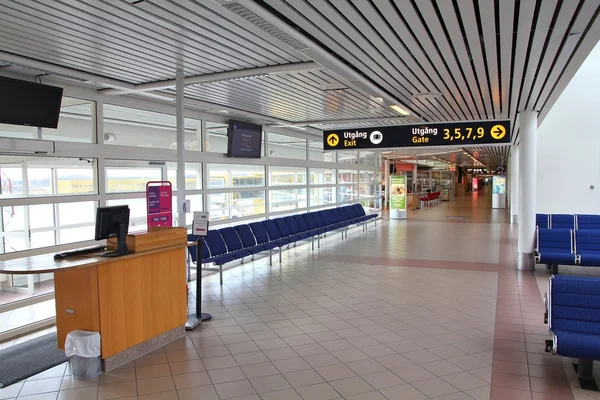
(83, 350)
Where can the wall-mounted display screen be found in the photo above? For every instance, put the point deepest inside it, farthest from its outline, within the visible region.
(245, 139)
(29, 103)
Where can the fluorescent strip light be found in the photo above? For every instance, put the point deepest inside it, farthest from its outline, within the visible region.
(399, 110)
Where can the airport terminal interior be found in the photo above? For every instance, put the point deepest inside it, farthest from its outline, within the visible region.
(299, 199)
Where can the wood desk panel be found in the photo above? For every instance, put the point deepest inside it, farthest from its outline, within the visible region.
(137, 300)
(76, 301)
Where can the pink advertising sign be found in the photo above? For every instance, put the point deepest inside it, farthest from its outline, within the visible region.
(159, 203)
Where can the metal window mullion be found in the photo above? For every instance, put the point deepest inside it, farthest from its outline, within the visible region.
(100, 166)
(25, 180)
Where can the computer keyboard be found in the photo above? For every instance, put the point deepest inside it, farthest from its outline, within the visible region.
(79, 252)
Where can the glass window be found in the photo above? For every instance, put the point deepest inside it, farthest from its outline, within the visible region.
(282, 146)
(368, 158)
(347, 176)
(75, 124)
(49, 225)
(348, 157)
(216, 137)
(125, 126)
(320, 176)
(287, 199)
(347, 193)
(235, 175)
(130, 179)
(46, 176)
(287, 176)
(137, 212)
(322, 196)
(236, 204)
(18, 131)
(316, 153)
(193, 175)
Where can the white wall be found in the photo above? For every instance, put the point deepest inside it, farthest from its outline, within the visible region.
(569, 146)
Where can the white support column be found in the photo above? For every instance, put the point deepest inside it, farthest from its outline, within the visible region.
(514, 184)
(386, 174)
(180, 145)
(527, 189)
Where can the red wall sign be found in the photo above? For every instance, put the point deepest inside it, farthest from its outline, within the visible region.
(159, 203)
(475, 184)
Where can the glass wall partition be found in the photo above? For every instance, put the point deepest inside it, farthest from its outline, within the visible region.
(282, 146)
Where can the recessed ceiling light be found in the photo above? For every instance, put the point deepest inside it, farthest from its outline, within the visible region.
(399, 110)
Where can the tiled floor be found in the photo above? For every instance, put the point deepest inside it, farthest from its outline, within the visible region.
(429, 308)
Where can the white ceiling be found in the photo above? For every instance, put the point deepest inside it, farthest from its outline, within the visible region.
(486, 58)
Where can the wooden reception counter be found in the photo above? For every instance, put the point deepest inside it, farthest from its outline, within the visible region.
(137, 302)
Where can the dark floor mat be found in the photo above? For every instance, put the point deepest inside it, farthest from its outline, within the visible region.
(29, 358)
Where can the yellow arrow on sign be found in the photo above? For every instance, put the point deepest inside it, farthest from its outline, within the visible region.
(333, 140)
(498, 131)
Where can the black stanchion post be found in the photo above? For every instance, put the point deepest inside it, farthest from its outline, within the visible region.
(195, 319)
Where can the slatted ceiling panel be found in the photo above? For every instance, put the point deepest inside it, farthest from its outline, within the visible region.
(487, 14)
(136, 43)
(357, 125)
(424, 52)
(561, 26)
(315, 24)
(524, 27)
(221, 39)
(167, 41)
(435, 27)
(547, 11)
(293, 97)
(451, 23)
(587, 13)
(506, 10)
(470, 25)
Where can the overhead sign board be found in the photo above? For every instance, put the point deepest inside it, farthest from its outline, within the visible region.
(419, 135)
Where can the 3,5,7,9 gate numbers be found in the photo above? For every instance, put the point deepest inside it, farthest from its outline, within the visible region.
(420, 135)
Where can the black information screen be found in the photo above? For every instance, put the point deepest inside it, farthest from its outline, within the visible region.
(245, 140)
(29, 103)
(419, 135)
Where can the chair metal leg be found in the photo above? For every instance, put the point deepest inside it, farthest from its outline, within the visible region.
(271, 257)
(221, 273)
(319, 241)
(312, 242)
(375, 221)
(280, 251)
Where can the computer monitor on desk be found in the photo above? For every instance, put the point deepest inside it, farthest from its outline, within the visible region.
(113, 222)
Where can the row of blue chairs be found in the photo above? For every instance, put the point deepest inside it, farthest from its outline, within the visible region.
(235, 243)
(567, 221)
(568, 247)
(573, 317)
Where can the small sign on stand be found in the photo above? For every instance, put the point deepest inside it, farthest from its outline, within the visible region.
(199, 228)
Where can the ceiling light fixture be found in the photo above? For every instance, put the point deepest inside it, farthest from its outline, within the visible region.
(399, 110)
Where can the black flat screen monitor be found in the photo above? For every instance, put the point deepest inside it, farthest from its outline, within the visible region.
(113, 222)
(29, 103)
(244, 139)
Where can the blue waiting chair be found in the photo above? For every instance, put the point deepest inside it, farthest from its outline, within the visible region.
(587, 247)
(585, 221)
(562, 221)
(542, 221)
(248, 240)
(554, 247)
(262, 238)
(573, 316)
(234, 244)
(214, 251)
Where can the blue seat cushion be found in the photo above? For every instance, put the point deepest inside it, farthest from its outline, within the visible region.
(577, 345)
(589, 258)
(557, 258)
(220, 260)
(255, 249)
(240, 254)
(268, 246)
